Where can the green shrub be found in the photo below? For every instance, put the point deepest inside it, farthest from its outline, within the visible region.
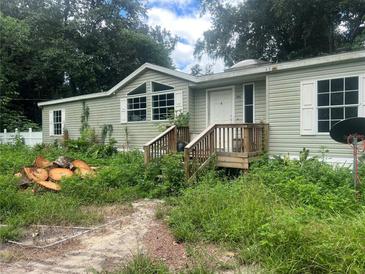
(172, 171)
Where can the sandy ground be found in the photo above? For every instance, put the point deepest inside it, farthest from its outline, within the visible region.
(104, 249)
(134, 231)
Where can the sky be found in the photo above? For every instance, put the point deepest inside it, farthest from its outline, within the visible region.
(182, 18)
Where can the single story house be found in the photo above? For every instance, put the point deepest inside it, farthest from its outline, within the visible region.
(299, 100)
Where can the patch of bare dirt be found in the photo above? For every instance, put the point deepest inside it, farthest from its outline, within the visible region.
(102, 249)
(161, 245)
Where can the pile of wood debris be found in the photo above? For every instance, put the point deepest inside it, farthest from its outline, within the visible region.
(47, 174)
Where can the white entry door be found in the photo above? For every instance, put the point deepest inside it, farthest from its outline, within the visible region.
(221, 112)
(220, 107)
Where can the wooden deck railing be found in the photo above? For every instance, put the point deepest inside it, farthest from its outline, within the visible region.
(199, 151)
(165, 143)
(183, 134)
(246, 139)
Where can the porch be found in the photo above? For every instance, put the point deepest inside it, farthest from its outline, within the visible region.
(229, 145)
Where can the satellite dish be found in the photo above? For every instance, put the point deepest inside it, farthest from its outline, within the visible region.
(351, 131)
(344, 129)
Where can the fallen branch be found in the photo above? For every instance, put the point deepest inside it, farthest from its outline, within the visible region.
(65, 239)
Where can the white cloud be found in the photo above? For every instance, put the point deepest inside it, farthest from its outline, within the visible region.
(189, 28)
(183, 53)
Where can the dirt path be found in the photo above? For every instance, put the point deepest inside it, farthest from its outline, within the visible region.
(104, 249)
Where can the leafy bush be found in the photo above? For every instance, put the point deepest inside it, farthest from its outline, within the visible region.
(288, 216)
(94, 150)
(172, 171)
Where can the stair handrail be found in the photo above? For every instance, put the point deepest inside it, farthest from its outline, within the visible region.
(189, 147)
(168, 139)
(160, 136)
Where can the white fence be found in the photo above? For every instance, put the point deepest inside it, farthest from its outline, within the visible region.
(29, 137)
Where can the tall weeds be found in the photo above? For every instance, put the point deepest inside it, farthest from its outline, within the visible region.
(288, 216)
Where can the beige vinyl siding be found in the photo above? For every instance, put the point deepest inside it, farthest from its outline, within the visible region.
(198, 111)
(284, 110)
(260, 101)
(199, 108)
(72, 120)
(106, 110)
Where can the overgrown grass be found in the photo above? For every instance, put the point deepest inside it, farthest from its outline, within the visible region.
(288, 216)
(120, 178)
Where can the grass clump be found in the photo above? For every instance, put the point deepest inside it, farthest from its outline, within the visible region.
(288, 216)
(142, 264)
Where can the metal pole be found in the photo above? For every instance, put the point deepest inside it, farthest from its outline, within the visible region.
(355, 167)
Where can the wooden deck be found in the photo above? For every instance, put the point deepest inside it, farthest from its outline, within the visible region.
(229, 145)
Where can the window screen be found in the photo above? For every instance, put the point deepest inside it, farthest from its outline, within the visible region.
(248, 108)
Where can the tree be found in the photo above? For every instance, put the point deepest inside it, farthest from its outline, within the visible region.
(76, 47)
(278, 30)
(14, 49)
(197, 70)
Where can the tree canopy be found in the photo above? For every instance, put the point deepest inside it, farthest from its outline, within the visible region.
(59, 48)
(279, 30)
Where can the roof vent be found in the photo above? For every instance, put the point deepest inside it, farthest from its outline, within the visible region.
(247, 63)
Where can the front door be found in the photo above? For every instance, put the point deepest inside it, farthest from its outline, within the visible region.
(221, 112)
(220, 107)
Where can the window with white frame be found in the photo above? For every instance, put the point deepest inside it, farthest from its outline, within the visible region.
(163, 106)
(57, 122)
(156, 87)
(248, 103)
(136, 104)
(337, 99)
(137, 109)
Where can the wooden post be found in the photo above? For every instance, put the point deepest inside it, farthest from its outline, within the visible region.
(187, 162)
(146, 150)
(174, 139)
(265, 141)
(246, 139)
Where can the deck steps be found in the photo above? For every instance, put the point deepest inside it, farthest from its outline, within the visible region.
(228, 145)
(232, 161)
